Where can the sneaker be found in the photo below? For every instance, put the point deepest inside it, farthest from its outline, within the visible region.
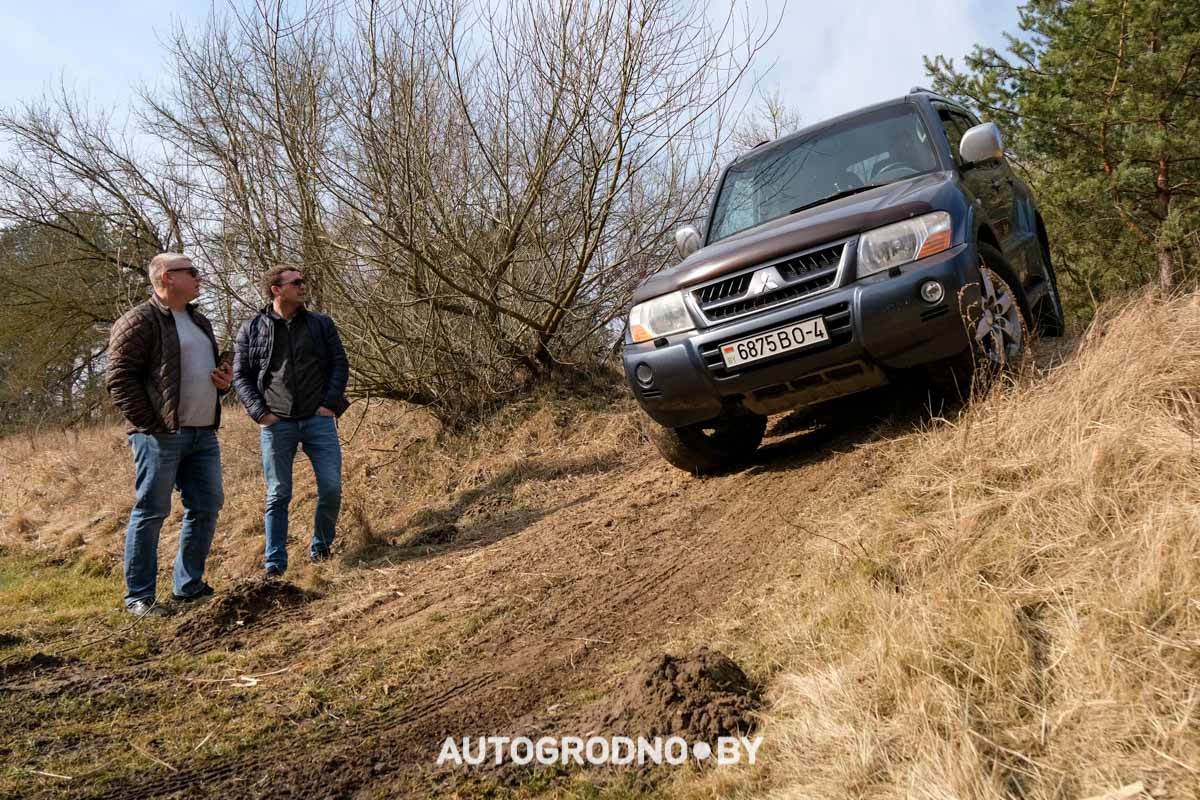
(274, 571)
(147, 608)
(205, 591)
(320, 555)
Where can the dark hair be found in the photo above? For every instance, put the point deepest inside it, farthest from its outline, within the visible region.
(271, 278)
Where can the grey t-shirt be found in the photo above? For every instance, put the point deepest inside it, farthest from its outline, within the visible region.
(197, 393)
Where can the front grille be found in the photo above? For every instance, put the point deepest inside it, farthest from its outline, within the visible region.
(801, 275)
(733, 287)
(837, 325)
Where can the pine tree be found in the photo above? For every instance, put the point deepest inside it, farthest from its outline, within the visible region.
(1098, 100)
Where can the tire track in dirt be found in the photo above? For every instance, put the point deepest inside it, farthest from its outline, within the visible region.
(646, 595)
(605, 578)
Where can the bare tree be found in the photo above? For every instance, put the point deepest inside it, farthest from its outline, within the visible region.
(474, 189)
(517, 167)
(770, 119)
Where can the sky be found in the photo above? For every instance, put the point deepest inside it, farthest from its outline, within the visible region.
(833, 56)
(829, 56)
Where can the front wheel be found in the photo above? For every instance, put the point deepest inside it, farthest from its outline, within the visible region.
(710, 446)
(997, 327)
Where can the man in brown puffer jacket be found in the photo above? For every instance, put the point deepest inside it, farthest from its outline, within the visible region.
(163, 376)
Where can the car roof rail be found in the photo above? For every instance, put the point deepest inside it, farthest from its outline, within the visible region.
(918, 89)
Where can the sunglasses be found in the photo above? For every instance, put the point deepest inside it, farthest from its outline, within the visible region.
(297, 282)
(195, 273)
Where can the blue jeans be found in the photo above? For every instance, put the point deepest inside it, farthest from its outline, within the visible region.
(190, 459)
(319, 437)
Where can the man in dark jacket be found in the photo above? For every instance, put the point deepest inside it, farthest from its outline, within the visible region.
(290, 372)
(163, 376)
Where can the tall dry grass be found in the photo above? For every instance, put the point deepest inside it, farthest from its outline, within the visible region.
(68, 494)
(1016, 614)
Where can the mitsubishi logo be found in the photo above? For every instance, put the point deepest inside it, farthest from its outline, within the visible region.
(765, 280)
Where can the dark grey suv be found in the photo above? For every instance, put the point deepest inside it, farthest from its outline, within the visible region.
(891, 238)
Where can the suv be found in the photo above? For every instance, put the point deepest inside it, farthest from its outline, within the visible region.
(891, 238)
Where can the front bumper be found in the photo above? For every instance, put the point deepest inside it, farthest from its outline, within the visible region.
(875, 325)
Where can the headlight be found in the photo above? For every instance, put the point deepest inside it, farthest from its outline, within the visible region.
(661, 316)
(893, 245)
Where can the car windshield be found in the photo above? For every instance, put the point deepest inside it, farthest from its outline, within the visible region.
(877, 148)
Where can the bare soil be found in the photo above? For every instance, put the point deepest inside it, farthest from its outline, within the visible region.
(701, 697)
(500, 614)
(245, 606)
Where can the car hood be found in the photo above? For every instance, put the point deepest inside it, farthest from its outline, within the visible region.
(838, 219)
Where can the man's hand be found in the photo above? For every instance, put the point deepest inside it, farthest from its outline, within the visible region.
(267, 419)
(325, 412)
(222, 377)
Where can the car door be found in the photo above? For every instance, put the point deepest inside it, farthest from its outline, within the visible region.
(989, 181)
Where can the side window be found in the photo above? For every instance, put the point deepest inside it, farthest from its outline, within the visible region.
(954, 132)
(964, 122)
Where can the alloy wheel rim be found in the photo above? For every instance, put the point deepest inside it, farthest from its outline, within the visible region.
(998, 332)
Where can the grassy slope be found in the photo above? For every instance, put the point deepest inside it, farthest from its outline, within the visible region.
(1008, 611)
(1014, 613)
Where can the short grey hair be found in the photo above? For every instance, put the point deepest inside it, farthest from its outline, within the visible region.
(161, 263)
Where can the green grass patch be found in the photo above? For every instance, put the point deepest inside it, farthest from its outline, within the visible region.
(37, 596)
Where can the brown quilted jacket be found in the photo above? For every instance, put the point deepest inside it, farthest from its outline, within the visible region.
(143, 375)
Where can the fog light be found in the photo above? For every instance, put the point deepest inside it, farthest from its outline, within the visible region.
(932, 292)
(644, 374)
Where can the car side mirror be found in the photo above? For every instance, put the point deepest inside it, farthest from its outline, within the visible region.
(687, 240)
(982, 143)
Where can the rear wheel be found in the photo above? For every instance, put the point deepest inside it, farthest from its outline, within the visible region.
(710, 446)
(1050, 318)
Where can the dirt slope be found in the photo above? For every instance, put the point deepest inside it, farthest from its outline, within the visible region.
(504, 609)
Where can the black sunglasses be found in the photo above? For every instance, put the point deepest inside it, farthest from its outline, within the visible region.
(195, 273)
(297, 282)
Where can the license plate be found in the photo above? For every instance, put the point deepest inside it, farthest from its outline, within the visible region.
(796, 336)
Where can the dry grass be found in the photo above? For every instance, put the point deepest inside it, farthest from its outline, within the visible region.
(1016, 613)
(1012, 612)
(68, 494)
(63, 507)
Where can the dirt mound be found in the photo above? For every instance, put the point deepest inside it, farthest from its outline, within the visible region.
(38, 662)
(246, 604)
(701, 697)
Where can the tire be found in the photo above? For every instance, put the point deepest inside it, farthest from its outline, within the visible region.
(1050, 317)
(997, 327)
(710, 446)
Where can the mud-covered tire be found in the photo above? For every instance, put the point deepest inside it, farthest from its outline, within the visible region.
(998, 329)
(710, 446)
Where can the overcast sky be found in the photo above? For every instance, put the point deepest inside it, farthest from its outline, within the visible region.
(830, 56)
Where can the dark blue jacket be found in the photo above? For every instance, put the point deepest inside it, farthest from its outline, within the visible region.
(252, 357)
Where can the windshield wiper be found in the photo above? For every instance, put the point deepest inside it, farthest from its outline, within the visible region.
(837, 196)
